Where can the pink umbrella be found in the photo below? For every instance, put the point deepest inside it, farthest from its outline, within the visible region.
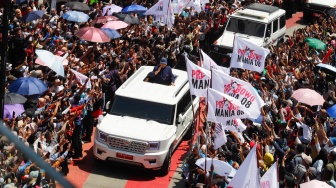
(308, 96)
(104, 19)
(92, 34)
(315, 184)
(40, 62)
(115, 25)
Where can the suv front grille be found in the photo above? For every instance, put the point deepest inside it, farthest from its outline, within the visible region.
(127, 145)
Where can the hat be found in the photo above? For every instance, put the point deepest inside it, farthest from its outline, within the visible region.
(163, 61)
(268, 159)
(307, 159)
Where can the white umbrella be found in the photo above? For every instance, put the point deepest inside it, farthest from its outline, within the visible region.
(220, 167)
(52, 61)
(110, 9)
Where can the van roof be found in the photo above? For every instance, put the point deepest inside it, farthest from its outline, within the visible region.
(263, 8)
(259, 12)
(135, 87)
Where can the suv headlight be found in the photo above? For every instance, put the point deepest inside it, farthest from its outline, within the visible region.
(102, 136)
(153, 145)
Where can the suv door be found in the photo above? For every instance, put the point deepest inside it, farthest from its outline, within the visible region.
(183, 110)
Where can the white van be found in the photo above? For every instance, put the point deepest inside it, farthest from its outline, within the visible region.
(260, 24)
(147, 122)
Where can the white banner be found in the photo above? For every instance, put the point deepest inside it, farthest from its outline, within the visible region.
(199, 79)
(247, 55)
(248, 173)
(220, 136)
(222, 107)
(160, 8)
(239, 89)
(209, 64)
(179, 5)
(270, 178)
(81, 78)
(237, 126)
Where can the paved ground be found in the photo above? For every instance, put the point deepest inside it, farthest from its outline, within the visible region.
(86, 173)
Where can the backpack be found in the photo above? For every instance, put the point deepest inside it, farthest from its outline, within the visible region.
(299, 173)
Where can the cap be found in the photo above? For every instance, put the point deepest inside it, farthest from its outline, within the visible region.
(268, 159)
(163, 61)
(307, 159)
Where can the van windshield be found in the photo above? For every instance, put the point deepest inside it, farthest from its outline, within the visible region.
(246, 27)
(162, 113)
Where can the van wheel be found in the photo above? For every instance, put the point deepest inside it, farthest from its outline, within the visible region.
(166, 165)
(188, 134)
(98, 161)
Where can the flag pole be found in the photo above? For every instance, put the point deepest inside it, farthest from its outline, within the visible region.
(233, 46)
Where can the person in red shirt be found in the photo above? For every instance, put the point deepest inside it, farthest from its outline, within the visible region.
(30, 50)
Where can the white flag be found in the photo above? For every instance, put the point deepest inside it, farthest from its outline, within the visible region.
(220, 136)
(81, 78)
(239, 89)
(210, 64)
(247, 55)
(160, 8)
(247, 175)
(199, 79)
(222, 107)
(237, 126)
(270, 178)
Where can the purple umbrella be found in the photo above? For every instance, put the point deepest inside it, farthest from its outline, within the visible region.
(10, 108)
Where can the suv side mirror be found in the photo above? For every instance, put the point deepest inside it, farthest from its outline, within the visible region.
(180, 119)
(268, 33)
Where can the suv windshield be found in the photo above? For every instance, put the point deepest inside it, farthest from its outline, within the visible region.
(246, 27)
(162, 113)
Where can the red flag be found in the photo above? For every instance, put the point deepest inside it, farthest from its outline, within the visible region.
(326, 57)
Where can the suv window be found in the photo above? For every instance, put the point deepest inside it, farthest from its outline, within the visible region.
(184, 103)
(125, 106)
(282, 21)
(275, 25)
(268, 31)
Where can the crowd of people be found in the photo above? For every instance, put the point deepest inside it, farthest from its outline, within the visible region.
(59, 121)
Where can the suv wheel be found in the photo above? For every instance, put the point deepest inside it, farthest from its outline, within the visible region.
(98, 161)
(166, 164)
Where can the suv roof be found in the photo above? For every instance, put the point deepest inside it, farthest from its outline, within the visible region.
(263, 8)
(135, 87)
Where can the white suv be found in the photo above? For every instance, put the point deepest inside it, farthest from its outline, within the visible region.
(147, 122)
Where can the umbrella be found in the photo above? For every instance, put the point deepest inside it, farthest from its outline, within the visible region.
(39, 61)
(111, 9)
(75, 5)
(332, 12)
(92, 34)
(104, 19)
(315, 184)
(20, 1)
(115, 25)
(10, 108)
(327, 68)
(76, 16)
(52, 61)
(127, 18)
(113, 34)
(308, 96)
(134, 9)
(332, 111)
(13, 98)
(220, 167)
(27, 86)
(316, 43)
(34, 15)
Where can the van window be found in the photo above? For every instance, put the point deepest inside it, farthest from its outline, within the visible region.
(282, 21)
(275, 25)
(268, 30)
(184, 103)
(244, 26)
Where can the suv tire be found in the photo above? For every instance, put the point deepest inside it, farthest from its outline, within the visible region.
(165, 168)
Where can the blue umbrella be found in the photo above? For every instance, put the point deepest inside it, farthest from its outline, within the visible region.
(34, 15)
(134, 9)
(28, 86)
(113, 34)
(332, 111)
(20, 1)
(76, 16)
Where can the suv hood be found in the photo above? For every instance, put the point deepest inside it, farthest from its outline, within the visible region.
(330, 3)
(134, 128)
(227, 39)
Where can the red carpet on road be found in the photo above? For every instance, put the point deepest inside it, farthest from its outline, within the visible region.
(294, 20)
